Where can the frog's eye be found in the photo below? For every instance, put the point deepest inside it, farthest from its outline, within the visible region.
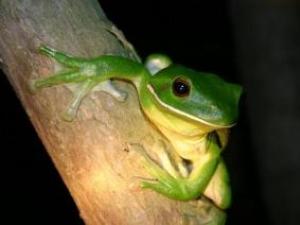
(181, 87)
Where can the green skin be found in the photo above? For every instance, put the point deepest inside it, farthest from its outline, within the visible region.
(195, 121)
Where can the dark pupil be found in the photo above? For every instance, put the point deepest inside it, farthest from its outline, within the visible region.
(181, 87)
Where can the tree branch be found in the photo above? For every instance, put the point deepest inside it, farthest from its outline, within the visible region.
(90, 153)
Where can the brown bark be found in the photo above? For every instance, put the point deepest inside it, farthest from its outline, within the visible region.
(91, 153)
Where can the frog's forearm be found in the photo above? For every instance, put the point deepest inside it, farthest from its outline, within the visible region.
(181, 188)
(204, 168)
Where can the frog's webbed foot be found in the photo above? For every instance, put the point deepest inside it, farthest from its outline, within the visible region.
(80, 71)
(170, 182)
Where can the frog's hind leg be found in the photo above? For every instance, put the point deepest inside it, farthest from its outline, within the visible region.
(70, 61)
(62, 78)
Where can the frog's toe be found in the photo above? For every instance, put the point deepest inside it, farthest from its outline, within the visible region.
(32, 86)
(69, 115)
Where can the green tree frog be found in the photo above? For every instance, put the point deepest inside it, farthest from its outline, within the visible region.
(193, 110)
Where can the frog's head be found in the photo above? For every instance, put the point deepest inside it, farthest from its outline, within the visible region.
(196, 96)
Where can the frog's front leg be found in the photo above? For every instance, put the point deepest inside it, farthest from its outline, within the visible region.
(177, 186)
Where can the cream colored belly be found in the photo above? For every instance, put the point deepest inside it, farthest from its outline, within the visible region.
(186, 136)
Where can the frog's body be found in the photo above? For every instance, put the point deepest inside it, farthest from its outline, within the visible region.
(192, 110)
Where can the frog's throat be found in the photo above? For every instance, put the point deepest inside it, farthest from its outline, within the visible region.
(192, 117)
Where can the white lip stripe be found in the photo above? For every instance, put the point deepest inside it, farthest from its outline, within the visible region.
(151, 89)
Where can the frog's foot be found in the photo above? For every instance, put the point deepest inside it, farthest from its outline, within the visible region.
(175, 186)
(75, 74)
(80, 71)
(85, 86)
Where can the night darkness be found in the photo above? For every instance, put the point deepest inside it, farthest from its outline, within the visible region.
(256, 46)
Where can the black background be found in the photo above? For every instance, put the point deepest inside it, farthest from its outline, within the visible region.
(251, 44)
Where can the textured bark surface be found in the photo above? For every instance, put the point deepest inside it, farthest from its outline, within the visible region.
(91, 153)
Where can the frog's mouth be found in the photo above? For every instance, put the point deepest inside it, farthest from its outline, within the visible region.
(184, 114)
